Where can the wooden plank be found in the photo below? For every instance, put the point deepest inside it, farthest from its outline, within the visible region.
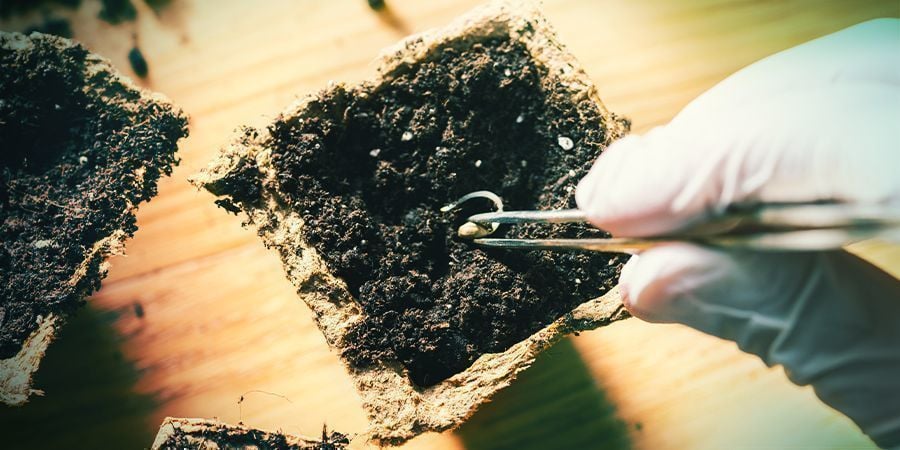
(219, 319)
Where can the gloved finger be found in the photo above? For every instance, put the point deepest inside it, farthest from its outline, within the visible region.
(796, 147)
(831, 319)
(700, 286)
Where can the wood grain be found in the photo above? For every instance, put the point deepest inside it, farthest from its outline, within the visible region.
(219, 318)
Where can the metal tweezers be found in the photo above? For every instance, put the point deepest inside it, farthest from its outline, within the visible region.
(805, 226)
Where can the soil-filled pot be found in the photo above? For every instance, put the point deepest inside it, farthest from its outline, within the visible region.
(80, 148)
(188, 434)
(347, 186)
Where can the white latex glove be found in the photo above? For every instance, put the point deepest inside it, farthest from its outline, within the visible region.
(819, 121)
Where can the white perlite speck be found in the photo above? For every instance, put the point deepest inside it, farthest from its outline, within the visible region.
(571, 173)
(507, 72)
(406, 136)
(43, 243)
(82, 159)
(374, 152)
(565, 142)
(478, 163)
(520, 118)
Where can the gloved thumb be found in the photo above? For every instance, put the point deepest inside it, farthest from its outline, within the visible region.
(831, 319)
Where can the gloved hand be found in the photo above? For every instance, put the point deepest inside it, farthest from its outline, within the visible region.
(819, 121)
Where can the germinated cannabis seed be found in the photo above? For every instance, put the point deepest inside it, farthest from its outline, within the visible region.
(471, 230)
(566, 143)
(82, 159)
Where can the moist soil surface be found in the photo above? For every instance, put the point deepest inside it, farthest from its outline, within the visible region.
(68, 157)
(370, 173)
(229, 437)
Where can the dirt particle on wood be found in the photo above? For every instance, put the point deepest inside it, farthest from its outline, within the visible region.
(138, 310)
(377, 5)
(117, 11)
(138, 62)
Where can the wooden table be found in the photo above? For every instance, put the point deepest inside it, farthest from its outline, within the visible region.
(198, 313)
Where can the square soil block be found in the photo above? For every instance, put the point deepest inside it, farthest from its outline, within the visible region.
(348, 184)
(202, 434)
(80, 148)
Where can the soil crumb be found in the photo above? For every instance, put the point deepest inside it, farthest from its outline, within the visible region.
(117, 11)
(138, 62)
(80, 149)
(369, 173)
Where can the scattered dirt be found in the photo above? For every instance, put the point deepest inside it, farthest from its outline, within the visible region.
(78, 154)
(138, 62)
(117, 11)
(369, 175)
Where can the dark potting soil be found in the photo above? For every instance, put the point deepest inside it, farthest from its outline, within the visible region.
(370, 173)
(68, 156)
(230, 437)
